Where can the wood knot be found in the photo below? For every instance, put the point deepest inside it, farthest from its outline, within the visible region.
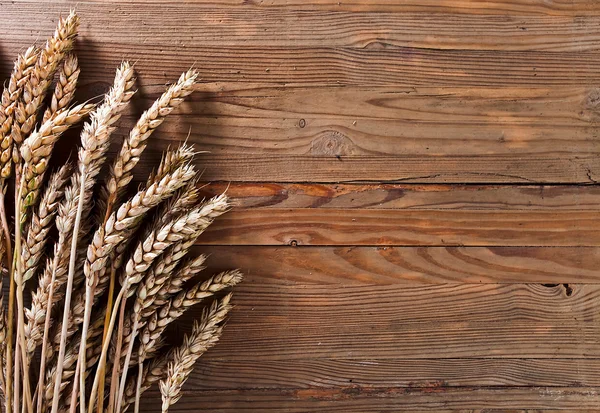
(332, 143)
(592, 100)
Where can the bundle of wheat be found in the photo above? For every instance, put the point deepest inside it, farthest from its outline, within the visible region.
(92, 336)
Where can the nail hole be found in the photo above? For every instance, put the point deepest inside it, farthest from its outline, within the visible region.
(302, 123)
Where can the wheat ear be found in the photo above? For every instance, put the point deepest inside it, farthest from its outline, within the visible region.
(33, 249)
(144, 255)
(37, 148)
(94, 143)
(64, 90)
(203, 336)
(11, 94)
(117, 227)
(94, 140)
(135, 143)
(24, 119)
(147, 291)
(150, 336)
(121, 171)
(141, 259)
(40, 79)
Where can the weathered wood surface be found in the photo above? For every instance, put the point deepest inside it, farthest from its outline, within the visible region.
(408, 265)
(417, 209)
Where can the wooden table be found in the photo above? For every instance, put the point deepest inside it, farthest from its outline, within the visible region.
(418, 216)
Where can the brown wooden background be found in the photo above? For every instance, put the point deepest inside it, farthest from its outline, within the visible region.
(419, 215)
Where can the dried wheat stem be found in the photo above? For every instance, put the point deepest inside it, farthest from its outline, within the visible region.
(24, 64)
(18, 275)
(55, 273)
(95, 140)
(7, 343)
(151, 374)
(33, 249)
(117, 226)
(2, 319)
(64, 90)
(71, 357)
(203, 336)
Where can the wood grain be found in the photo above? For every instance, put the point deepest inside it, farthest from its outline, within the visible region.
(381, 121)
(349, 399)
(372, 66)
(416, 192)
(407, 196)
(483, 169)
(420, 322)
(380, 339)
(330, 226)
(414, 306)
(131, 25)
(415, 373)
(476, 7)
(407, 265)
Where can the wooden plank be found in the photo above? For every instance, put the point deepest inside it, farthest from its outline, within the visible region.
(332, 338)
(198, 25)
(501, 135)
(323, 373)
(407, 196)
(482, 169)
(380, 121)
(476, 7)
(329, 226)
(386, 307)
(383, 66)
(408, 265)
(433, 322)
(365, 400)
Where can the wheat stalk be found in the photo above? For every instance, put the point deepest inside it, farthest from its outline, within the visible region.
(144, 255)
(134, 145)
(33, 249)
(37, 148)
(203, 336)
(143, 242)
(64, 90)
(40, 78)
(10, 96)
(94, 144)
(131, 150)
